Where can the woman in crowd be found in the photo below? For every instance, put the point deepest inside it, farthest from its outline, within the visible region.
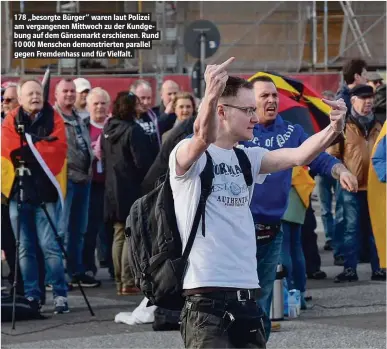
(184, 107)
(126, 159)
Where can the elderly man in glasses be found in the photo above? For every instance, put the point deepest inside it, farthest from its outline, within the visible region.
(9, 98)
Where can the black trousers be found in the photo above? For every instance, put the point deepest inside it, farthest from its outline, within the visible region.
(309, 242)
(209, 323)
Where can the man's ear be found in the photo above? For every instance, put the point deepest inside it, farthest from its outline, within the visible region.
(220, 111)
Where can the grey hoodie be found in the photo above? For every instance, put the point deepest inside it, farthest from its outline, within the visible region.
(79, 161)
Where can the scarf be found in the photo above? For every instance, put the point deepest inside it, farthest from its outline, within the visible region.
(365, 121)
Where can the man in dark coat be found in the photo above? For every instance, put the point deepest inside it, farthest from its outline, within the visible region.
(160, 165)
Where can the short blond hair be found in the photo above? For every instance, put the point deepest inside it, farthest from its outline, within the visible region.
(98, 91)
(184, 95)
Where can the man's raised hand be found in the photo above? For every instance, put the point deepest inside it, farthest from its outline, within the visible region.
(216, 78)
(337, 114)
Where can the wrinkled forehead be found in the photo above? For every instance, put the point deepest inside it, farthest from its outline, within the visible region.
(98, 98)
(171, 88)
(264, 87)
(143, 91)
(66, 86)
(30, 86)
(10, 91)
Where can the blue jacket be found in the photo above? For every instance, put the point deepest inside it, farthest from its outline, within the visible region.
(379, 160)
(270, 199)
(343, 93)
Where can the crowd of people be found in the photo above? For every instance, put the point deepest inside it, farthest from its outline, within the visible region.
(101, 153)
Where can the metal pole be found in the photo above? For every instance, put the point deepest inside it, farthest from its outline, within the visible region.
(300, 36)
(9, 36)
(140, 58)
(22, 60)
(78, 61)
(59, 60)
(243, 36)
(202, 58)
(357, 28)
(164, 40)
(356, 41)
(326, 35)
(314, 37)
(351, 26)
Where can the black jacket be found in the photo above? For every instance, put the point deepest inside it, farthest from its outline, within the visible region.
(126, 159)
(165, 121)
(161, 164)
(380, 104)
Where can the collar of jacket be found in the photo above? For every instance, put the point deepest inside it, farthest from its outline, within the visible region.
(44, 124)
(277, 124)
(364, 123)
(64, 117)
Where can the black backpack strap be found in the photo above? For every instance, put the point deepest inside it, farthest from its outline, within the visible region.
(206, 178)
(245, 164)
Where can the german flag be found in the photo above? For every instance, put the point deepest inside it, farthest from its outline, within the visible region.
(302, 94)
(51, 155)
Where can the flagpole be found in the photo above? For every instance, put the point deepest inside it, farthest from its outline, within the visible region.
(22, 60)
(139, 8)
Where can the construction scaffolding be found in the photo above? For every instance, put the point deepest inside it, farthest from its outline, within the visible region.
(364, 32)
(263, 35)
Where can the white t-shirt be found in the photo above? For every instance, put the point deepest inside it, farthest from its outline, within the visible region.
(226, 255)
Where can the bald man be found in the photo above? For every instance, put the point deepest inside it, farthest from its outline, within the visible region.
(10, 100)
(164, 111)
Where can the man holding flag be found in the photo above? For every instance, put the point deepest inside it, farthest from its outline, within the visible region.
(43, 151)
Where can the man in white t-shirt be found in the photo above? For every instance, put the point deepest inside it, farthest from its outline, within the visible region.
(221, 281)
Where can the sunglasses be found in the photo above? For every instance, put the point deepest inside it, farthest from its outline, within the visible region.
(7, 100)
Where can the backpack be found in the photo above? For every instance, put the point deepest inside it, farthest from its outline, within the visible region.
(154, 242)
(23, 310)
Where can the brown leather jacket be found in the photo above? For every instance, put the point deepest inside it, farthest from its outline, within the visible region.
(355, 151)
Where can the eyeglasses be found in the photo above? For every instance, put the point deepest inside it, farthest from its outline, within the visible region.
(8, 100)
(250, 111)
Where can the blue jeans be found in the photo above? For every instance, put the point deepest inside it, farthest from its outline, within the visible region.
(357, 217)
(95, 226)
(268, 257)
(35, 229)
(292, 256)
(338, 236)
(326, 187)
(73, 224)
